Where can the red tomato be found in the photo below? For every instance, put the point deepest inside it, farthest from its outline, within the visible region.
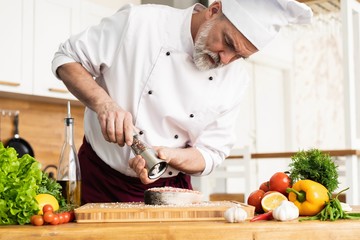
(254, 199)
(61, 218)
(66, 216)
(37, 220)
(280, 182)
(47, 208)
(72, 216)
(48, 217)
(55, 220)
(264, 186)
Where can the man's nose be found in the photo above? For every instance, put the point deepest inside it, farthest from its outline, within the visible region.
(227, 56)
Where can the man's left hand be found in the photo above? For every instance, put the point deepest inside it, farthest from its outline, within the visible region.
(138, 164)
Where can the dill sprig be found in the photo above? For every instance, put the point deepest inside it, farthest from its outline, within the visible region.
(314, 165)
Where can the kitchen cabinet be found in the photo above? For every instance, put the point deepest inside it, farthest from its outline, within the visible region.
(264, 119)
(16, 45)
(54, 21)
(91, 13)
(34, 29)
(350, 10)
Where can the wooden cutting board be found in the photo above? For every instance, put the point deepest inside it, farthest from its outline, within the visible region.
(139, 212)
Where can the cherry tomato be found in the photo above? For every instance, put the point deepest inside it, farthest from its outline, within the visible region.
(265, 186)
(55, 220)
(61, 218)
(48, 217)
(254, 199)
(47, 208)
(280, 182)
(37, 220)
(66, 216)
(72, 216)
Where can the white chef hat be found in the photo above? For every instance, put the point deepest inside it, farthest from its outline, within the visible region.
(260, 20)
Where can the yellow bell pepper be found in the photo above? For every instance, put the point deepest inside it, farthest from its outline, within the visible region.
(309, 196)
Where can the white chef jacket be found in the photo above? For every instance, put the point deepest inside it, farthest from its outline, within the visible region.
(142, 56)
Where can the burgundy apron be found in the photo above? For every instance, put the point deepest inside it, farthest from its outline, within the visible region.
(101, 183)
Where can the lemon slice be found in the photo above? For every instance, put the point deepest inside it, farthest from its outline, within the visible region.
(272, 200)
(44, 199)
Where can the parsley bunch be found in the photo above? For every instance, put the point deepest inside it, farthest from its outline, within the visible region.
(314, 165)
(50, 186)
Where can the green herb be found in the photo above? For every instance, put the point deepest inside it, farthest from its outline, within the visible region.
(332, 211)
(50, 186)
(21, 179)
(314, 165)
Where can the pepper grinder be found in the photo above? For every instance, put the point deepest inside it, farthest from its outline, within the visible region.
(155, 166)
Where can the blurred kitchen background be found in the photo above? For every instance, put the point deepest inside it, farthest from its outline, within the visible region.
(305, 91)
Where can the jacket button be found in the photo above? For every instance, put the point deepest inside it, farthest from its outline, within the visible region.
(141, 132)
(176, 136)
(150, 92)
(211, 78)
(167, 53)
(170, 173)
(191, 115)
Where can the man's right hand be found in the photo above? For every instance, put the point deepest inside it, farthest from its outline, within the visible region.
(116, 123)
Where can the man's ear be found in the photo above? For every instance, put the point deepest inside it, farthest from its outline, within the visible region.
(214, 9)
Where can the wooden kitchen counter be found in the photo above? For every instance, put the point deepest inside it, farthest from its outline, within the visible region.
(200, 230)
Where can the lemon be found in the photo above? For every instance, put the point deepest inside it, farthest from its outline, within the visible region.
(272, 200)
(44, 199)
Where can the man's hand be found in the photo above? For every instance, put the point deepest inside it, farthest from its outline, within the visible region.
(187, 160)
(116, 123)
(138, 164)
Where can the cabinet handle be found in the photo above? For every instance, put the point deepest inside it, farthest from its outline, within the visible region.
(58, 90)
(12, 84)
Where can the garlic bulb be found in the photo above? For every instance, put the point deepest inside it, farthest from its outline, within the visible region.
(235, 214)
(286, 211)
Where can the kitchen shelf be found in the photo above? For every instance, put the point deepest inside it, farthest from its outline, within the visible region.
(333, 153)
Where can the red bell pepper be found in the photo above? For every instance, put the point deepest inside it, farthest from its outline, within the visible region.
(264, 216)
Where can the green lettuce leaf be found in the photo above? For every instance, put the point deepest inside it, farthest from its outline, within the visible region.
(19, 182)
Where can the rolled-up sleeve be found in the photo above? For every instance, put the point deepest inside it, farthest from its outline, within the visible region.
(217, 140)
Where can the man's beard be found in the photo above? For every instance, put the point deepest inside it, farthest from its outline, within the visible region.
(205, 59)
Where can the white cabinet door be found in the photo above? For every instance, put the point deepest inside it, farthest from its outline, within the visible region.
(16, 46)
(263, 122)
(91, 13)
(54, 22)
(272, 119)
(270, 105)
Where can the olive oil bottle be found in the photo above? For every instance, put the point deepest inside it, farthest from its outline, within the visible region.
(68, 172)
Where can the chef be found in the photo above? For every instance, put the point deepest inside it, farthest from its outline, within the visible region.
(173, 76)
